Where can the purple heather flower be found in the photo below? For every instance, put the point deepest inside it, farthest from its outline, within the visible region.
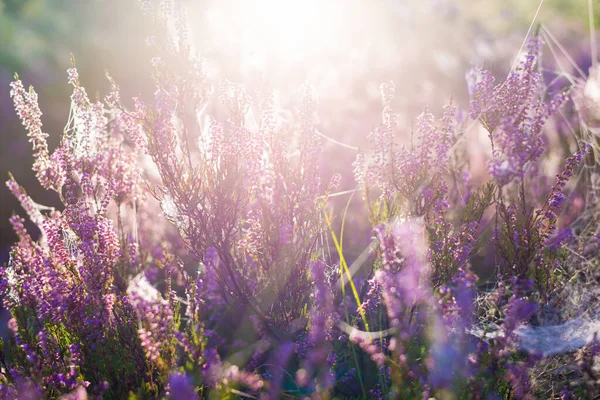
(155, 315)
(180, 387)
(514, 115)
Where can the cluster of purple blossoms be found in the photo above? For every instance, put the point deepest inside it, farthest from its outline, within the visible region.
(514, 113)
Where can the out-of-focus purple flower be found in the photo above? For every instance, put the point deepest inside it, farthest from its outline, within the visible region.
(180, 387)
(321, 323)
(235, 375)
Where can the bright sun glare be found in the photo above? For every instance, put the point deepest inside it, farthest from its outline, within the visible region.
(287, 30)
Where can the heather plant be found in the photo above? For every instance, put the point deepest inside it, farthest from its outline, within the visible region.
(243, 208)
(525, 234)
(234, 193)
(190, 260)
(70, 320)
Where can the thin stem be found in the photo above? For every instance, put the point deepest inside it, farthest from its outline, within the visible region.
(564, 51)
(594, 50)
(526, 36)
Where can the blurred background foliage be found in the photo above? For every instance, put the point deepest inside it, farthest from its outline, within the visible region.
(425, 46)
